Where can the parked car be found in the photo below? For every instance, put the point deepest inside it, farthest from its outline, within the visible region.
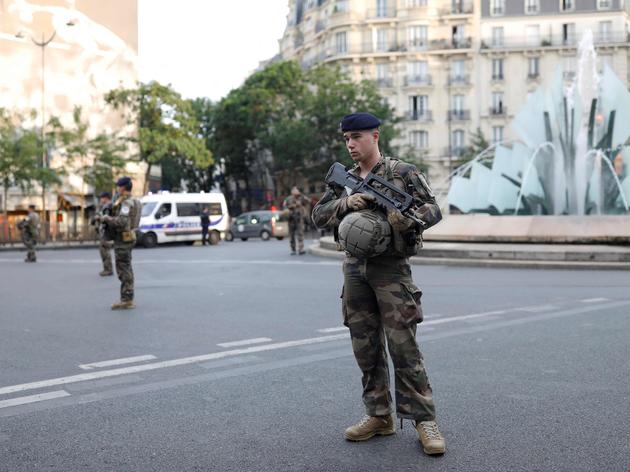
(264, 224)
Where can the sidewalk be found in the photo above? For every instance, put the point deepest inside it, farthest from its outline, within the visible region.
(543, 256)
(52, 246)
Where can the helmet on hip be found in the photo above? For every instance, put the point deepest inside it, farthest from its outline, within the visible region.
(364, 233)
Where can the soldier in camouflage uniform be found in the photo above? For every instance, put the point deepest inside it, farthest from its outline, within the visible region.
(381, 304)
(30, 233)
(296, 205)
(124, 222)
(104, 235)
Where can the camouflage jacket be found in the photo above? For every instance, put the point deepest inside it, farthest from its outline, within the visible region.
(332, 207)
(32, 225)
(297, 207)
(124, 219)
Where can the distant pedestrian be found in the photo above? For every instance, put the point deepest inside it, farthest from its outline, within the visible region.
(205, 224)
(30, 227)
(105, 234)
(124, 221)
(297, 206)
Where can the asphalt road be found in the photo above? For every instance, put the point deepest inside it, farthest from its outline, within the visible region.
(530, 368)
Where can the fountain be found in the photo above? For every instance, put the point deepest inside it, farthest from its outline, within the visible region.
(572, 155)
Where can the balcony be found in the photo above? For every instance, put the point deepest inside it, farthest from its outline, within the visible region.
(381, 13)
(423, 80)
(421, 116)
(533, 76)
(498, 111)
(447, 44)
(371, 48)
(458, 115)
(459, 80)
(454, 151)
(320, 26)
(384, 82)
(558, 41)
(458, 8)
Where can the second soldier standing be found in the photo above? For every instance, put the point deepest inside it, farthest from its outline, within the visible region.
(297, 205)
(124, 222)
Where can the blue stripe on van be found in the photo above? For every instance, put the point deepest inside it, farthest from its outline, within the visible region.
(179, 225)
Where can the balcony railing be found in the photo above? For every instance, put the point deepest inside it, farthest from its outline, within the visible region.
(533, 76)
(498, 111)
(497, 77)
(380, 47)
(385, 82)
(454, 43)
(458, 8)
(460, 79)
(459, 115)
(455, 151)
(417, 115)
(558, 41)
(384, 13)
(418, 80)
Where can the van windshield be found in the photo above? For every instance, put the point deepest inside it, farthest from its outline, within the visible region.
(147, 208)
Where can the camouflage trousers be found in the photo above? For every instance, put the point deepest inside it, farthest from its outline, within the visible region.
(105, 249)
(296, 236)
(381, 306)
(124, 270)
(30, 244)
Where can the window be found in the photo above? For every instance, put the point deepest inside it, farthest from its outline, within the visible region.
(497, 69)
(567, 5)
(532, 7)
(532, 33)
(214, 208)
(458, 70)
(604, 4)
(497, 134)
(418, 35)
(418, 70)
(418, 106)
(416, 3)
(341, 44)
(533, 67)
(147, 208)
(568, 33)
(187, 209)
(457, 104)
(382, 71)
(497, 36)
(381, 8)
(382, 43)
(459, 35)
(164, 210)
(605, 30)
(497, 7)
(458, 140)
(341, 6)
(419, 139)
(497, 103)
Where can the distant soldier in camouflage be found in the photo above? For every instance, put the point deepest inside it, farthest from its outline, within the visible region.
(381, 304)
(124, 222)
(297, 206)
(29, 227)
(105, 235)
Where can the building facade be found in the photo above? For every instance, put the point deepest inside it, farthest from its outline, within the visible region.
(450, 67)
(89, 49)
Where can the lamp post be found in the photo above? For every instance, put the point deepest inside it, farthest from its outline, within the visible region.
(42, 45)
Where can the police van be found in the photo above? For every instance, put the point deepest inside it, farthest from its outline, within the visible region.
(175, 217)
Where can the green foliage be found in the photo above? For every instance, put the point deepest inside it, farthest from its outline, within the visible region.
(167, 126)
(478, 144)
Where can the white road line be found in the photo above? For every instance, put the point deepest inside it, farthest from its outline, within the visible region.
(462, 317)
(180, 262)
(536, 308)
(113, 362)
(332, 330)
(245, 342)
(164, 364)
(594, 300)
(40, 397)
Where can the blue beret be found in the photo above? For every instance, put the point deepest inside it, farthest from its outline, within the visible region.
(359, 122)
(123, 182)
(105, 195)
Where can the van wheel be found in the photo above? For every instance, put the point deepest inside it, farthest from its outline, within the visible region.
(265, 235)
(243, 239)
(229, 236)
(214, 237)
(149, 240)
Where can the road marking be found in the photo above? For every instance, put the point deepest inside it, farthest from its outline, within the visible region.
(594, 300)
(332, 330)
(113, 362)
(462, 317)
(179, 261)
(536, 308)
(101, 374)
(245, 342)
(40, 397)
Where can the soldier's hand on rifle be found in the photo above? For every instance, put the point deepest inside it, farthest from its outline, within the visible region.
(360, 201)
(398, 221)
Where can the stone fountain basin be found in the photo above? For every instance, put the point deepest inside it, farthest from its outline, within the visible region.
(532, 229)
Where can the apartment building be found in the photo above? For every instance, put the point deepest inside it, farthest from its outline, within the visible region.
(451, 66)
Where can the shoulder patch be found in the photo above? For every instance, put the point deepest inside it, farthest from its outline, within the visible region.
(124, 210)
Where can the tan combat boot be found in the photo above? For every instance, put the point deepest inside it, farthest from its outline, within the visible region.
(105, 273)
(370, 426)
(126, 305)
(430, 438)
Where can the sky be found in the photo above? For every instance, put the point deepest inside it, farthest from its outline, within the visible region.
(205, 48)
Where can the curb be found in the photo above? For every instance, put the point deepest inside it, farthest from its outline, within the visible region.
(316, 250)
(49, 247)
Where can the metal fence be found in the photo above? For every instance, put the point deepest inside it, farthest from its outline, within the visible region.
(50, 233)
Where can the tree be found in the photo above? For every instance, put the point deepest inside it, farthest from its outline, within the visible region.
(478, 144)
(166, 126)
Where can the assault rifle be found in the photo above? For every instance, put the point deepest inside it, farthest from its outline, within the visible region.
(387, 195)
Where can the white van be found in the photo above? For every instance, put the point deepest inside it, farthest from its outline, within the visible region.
(171, 217)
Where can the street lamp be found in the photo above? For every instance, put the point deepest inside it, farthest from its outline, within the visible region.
(42, 45)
